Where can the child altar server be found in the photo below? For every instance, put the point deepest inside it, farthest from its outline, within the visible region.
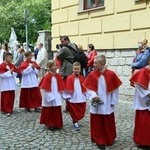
(75, 94)
(102, 85)
(52, 85)
(8, 84)
(30, 96)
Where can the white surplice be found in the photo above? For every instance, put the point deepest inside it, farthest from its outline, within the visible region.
(7, 81)
(77, 96)
(52, 98)
(108, 99)
(140, 97)
(29, 77)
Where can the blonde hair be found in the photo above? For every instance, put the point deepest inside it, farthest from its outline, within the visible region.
(50, 63)
(101, 58)
(76, 64)
(80, 47)
(143, 40)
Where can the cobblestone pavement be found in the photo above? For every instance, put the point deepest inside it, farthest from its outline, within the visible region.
(22, 131)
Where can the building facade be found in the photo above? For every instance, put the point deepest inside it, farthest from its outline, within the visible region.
(113, 26)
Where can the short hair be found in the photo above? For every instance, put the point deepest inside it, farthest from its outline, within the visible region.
(50, 63)
(28, 53)
(91, 46)
(21, 50)
(41, 44)
(76, 64)
(65, 37)
(101, 58)
(8, 54)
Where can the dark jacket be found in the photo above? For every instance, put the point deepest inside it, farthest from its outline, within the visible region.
(65, 54)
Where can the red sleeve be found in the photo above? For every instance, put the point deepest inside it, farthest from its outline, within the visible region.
(3, 68)
(91, 60)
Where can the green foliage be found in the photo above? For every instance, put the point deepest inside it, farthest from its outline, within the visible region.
(12, 15)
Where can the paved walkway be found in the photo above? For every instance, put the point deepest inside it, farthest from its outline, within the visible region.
(22, 131)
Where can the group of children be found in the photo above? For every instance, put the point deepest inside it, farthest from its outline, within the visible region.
(30, 96)
(55, 89)
(101, 87)
(53, 86)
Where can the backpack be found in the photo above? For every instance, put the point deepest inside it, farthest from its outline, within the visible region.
(79, 56)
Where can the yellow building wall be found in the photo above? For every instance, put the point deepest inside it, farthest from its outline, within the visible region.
(118, 25)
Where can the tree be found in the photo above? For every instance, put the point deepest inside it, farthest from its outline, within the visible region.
(12, 15)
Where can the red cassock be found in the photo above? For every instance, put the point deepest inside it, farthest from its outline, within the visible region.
(30, 97)
(51, 115)
(7, 101)
(7, 97)
(103, 128)
(76, 110)
(141, 134)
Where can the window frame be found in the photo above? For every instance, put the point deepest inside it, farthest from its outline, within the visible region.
(81, 7)
(97, 5)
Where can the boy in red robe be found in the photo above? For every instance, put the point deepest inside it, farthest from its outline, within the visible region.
(7, 84)
(52, 85)
(75, 94)
(30, 95)
(102, 84)
(141, 104)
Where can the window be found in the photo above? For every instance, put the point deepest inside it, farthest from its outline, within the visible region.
(89, 4)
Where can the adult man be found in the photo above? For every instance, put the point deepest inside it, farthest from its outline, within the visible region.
(102, 84)
(42, 59)
(66, 56)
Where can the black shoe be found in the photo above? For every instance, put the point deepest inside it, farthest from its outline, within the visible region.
(92, 141)
(143, 147)
(37, 109)
(51, 128)
(27, 109)
(100, 146)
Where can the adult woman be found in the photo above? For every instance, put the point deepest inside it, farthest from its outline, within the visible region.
(142, 55)
(91, 53)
